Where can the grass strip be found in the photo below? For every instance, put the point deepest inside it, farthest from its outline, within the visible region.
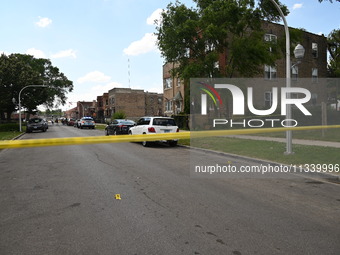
(330, 135)
(268, 150)
(9, 135)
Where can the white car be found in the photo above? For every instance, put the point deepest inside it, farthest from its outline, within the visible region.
(155, 125)
(86, 122)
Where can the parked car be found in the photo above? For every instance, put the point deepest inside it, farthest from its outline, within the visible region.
(86, 122)
(119, 126)
(46, 123)
(36, 124)
(76, 123)
(152, 125)
(70, 122)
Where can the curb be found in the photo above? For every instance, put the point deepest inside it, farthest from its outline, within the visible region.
(18, 136)
(316, 175)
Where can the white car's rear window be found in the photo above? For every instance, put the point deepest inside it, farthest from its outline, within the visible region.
(164, 122)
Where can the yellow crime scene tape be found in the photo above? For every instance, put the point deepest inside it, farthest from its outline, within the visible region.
(12, 144)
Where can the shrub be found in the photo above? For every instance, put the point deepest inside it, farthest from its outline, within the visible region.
(8, 127)
(119, 115)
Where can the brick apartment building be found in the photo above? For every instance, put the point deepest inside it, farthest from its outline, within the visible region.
(86, 109)
(134, 102)
(313, 66)
(102, 107)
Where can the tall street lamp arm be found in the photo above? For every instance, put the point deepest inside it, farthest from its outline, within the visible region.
(19, 101)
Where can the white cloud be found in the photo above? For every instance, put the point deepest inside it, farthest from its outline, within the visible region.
(144, 45)
(297, 6)
(64, 54)
(156, 15)
(43, 22)
(94, 76)
(36, 53)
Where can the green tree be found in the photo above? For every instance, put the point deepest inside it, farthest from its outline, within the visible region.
(333, 41)
(194, 38)
(20, 70)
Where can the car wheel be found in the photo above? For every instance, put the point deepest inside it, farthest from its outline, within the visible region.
(172, 143)
(115, 133)
(145, 144)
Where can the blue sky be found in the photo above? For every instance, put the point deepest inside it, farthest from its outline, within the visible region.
(96, 43)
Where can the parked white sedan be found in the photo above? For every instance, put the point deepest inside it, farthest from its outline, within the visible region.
(155, 125)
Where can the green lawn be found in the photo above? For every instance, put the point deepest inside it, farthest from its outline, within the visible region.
(267, 150)
(100, 126)
(331, 135)
(8, 135)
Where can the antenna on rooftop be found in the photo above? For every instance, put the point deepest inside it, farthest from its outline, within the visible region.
(129, 71)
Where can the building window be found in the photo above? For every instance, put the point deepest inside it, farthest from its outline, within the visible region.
(268, 99)
(315, 50)
(209, 47)
(178, 107)
(314, 98)
(167, 83)
(269, 72)
(187, 53)
(178, 82)
(315, 75)
(295, 72)
(271, 39)
(168, 106)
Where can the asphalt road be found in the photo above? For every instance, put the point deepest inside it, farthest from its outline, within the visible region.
(61, 200)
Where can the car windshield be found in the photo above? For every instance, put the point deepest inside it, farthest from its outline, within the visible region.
(126, 122)
(164, 122)
(34, 121)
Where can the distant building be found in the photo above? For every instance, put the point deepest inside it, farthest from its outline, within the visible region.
(173, 91)
(153, 104)
(71, 113)
(134, 102)
(102, 107)
(86, 109)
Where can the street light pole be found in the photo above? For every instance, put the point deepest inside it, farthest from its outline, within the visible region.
(288, 80)
(83, 108)
(20, 126)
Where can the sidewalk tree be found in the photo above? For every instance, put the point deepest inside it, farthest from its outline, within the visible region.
(333, 41)
(20, 70)
(194, 38)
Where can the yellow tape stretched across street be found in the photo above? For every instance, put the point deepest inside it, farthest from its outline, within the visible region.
(12, 144)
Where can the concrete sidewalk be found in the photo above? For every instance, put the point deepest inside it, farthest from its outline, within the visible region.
(295, 141)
